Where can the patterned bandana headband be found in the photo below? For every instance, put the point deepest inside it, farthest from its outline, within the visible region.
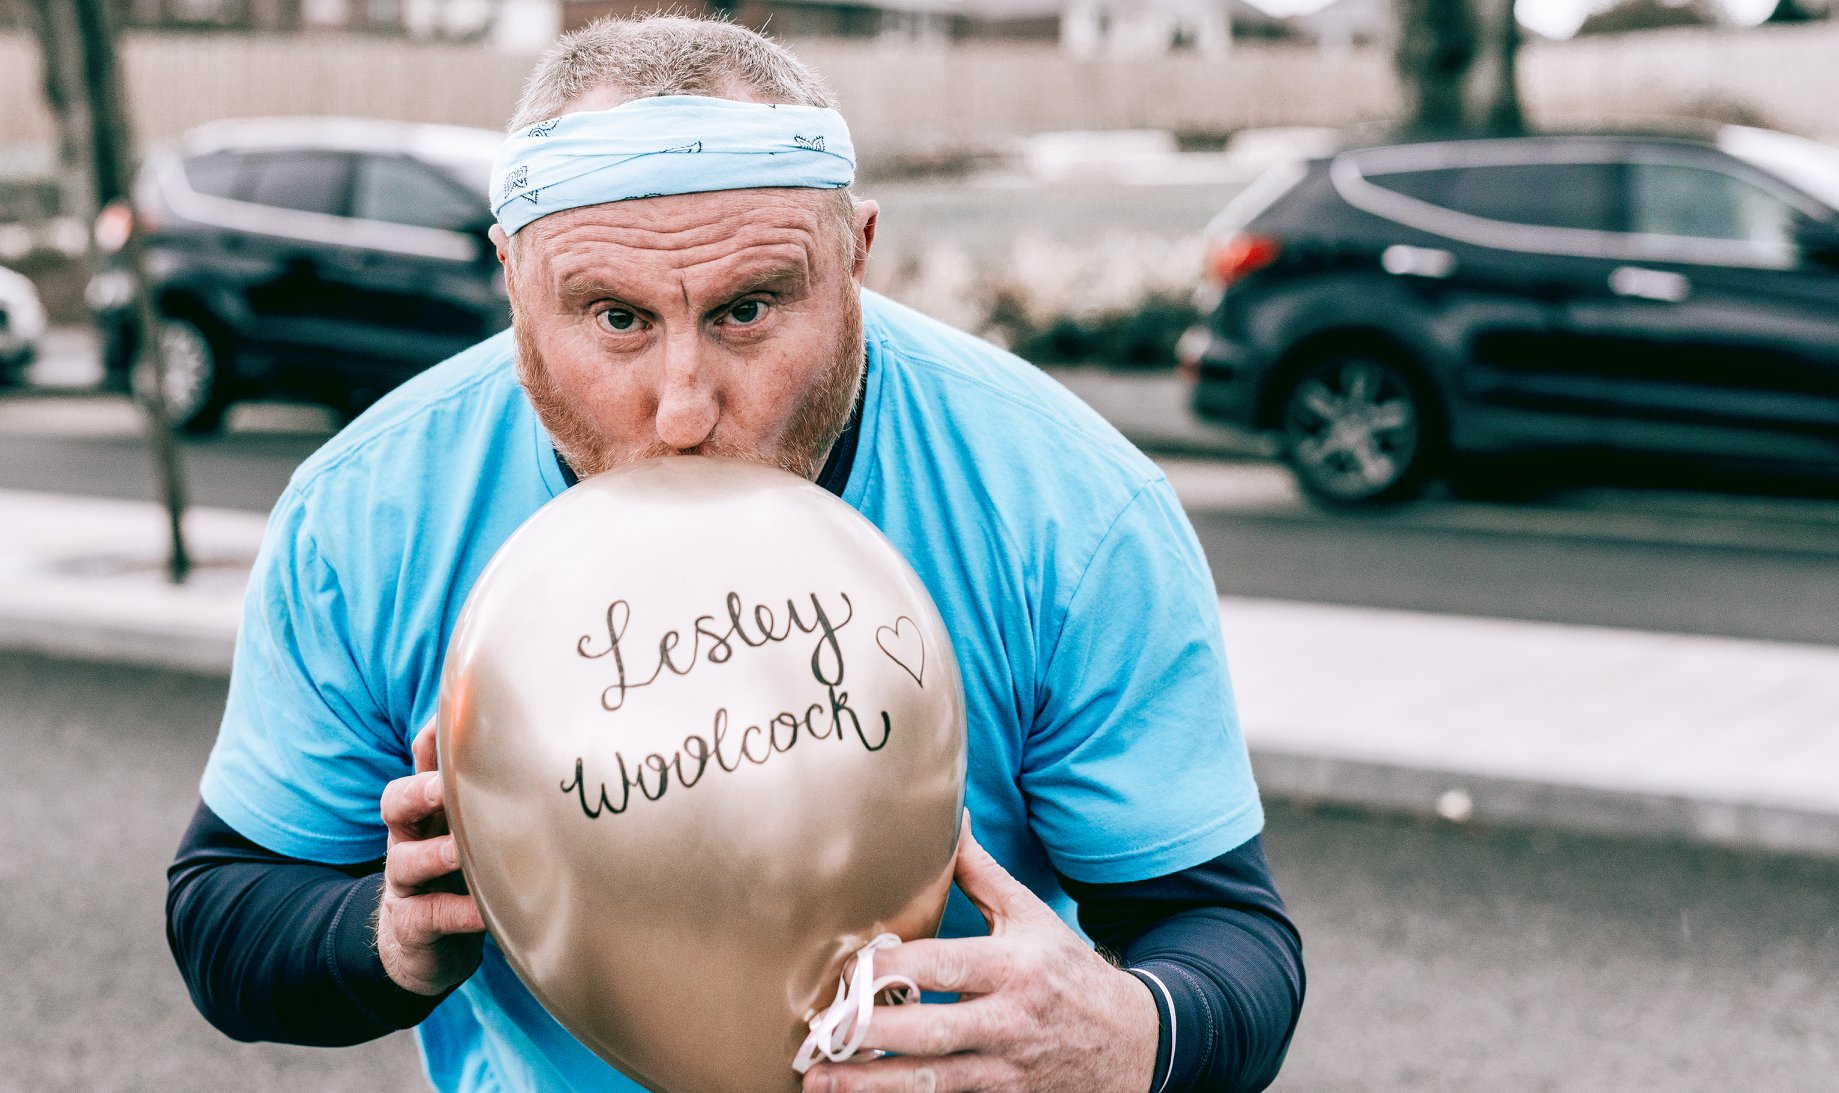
(672, 144)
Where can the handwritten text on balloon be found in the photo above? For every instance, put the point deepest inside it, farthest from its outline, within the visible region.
(713, 640)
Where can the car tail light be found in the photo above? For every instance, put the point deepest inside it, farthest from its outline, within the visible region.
(1233, 257)
(113, 225)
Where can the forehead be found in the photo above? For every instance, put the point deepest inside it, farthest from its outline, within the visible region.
(681, 230)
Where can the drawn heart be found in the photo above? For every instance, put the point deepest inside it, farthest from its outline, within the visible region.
(900, 654)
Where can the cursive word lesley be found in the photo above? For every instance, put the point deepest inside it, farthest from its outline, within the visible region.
(768, 629)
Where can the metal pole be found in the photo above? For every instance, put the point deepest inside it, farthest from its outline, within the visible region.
(111, 144)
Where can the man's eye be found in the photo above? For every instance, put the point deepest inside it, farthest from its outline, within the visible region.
(618, 318)
(747, 311)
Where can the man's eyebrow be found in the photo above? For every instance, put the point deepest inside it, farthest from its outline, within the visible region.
(789, 273)
(578, 286)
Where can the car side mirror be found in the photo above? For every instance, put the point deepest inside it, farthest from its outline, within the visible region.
(1818, 241)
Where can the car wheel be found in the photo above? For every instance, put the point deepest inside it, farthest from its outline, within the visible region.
(194, 382)
(1356, 431)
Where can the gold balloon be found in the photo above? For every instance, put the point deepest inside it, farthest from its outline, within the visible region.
(703, 735)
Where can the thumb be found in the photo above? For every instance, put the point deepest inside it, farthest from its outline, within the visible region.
(426, 758)
(1003, 900)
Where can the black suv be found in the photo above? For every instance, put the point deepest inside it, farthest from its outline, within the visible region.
(1391, 310)
(321, 258)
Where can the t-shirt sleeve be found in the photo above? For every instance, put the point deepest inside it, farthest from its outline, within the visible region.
(1135, 766)
(305, 747)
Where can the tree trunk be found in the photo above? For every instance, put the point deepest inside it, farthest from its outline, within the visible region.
(85, 88)
(1456, 64)
(60, 45)
(1496, 87)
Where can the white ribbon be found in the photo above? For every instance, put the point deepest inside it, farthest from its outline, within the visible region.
(838, 1031)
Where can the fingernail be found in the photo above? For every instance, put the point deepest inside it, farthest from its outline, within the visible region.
(451, 853)
(432, 790)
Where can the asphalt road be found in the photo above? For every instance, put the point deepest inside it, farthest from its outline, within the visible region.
(98, 781)
(1440, 958)
(95, 447)
(1672, 587)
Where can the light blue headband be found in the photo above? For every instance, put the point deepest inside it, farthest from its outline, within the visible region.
(671, 144)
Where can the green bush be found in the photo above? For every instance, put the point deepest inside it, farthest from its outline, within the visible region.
(1144, 338)
(1119, 302)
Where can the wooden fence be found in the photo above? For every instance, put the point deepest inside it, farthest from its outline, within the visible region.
(942, 100)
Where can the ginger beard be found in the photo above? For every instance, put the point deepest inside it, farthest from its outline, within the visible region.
(803, 442)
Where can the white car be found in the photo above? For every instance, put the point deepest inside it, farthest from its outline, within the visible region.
(22, 324)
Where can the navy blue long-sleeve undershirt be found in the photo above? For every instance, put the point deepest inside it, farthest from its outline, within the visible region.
(281, 949)
(1222, 959)
(277, 948)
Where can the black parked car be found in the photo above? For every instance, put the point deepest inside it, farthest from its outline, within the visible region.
(320, 258)
(1392, 310)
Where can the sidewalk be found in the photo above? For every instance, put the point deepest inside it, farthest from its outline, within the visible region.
(1474, 720)
(1151, 408)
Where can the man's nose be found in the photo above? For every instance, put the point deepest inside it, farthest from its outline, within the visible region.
(687, 402)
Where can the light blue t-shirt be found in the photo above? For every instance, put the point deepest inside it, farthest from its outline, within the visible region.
(1103, 743)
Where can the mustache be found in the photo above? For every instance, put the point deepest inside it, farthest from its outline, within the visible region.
(722, 448)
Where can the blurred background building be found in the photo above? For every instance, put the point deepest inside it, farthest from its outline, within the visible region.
(1082, 25)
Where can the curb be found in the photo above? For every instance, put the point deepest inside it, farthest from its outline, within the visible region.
(196, 652)
(1465, 798)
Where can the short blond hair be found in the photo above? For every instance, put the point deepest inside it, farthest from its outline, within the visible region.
(654, 55)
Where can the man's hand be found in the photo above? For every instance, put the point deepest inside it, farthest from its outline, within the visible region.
(1037, 1009)
(428, 929)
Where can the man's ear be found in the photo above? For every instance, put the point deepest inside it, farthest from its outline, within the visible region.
(501, 241)
(867, 215)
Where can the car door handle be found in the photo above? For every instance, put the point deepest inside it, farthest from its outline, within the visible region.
(1403, 261)
(1659, 285)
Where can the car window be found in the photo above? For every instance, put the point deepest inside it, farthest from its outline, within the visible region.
(472, 173)
(215, 174)
(309, 180)
(1427, 186)
(402, 191)
(1697, 203)
(1541, 195)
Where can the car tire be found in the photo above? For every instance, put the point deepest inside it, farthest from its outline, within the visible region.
(195, 384)
(1358, 429)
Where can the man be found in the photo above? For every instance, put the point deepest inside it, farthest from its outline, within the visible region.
(684, 261)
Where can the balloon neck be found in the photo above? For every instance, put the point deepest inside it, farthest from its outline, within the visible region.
(838, 1031)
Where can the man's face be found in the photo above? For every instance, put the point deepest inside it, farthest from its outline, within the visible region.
(722, 323)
